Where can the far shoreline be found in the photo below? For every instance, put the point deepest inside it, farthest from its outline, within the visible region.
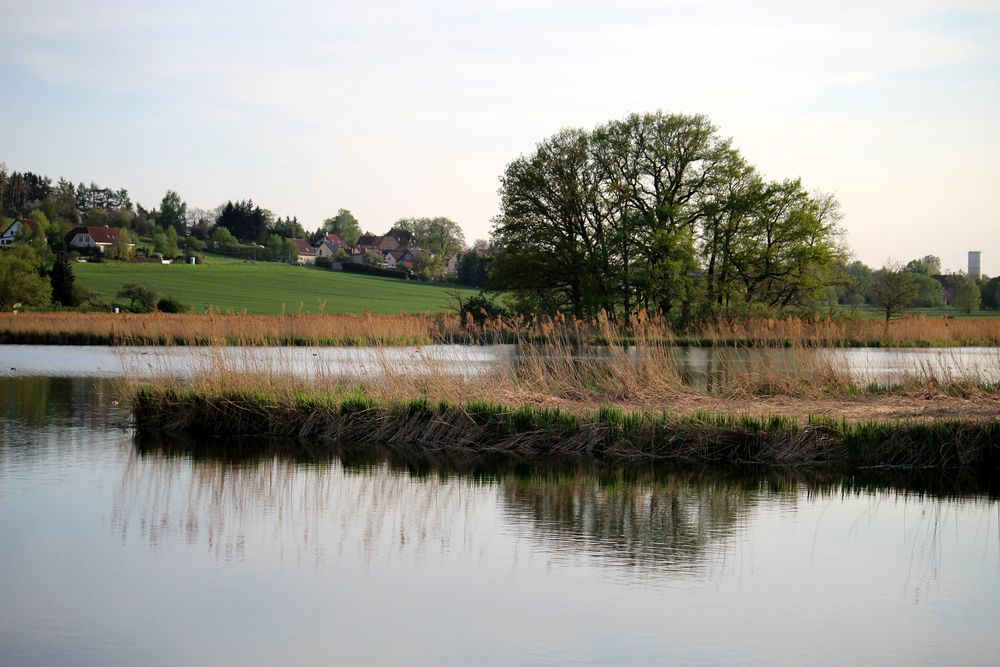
(364, 329)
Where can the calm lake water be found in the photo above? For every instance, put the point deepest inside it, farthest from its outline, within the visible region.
(697, 365)
(115, 551)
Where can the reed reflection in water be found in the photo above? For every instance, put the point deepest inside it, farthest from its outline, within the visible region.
(638, 526)
(304, 511)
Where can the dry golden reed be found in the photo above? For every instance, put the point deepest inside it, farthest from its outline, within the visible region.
(559, 371)
(352, 329)
(218, 329)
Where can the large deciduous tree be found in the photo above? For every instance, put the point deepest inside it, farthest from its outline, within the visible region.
(929, 265)
(895, 289)
(172, 213)
(344, 225)
(21, 281)
(990, 292)
(439, 236)
(967, 297)
(657, 212)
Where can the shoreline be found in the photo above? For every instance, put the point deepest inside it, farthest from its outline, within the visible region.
(84, 338)
(319, 420)
(351, 330)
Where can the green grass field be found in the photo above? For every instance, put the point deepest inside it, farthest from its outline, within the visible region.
(267, 288)
(874, 312)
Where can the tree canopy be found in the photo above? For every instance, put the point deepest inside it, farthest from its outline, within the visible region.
(967, 297)
(929, 265)
(172, 213)
(21, 279)
(245, 221)
(344, 225)
(439, 236)
(657, 212)
(895, 289)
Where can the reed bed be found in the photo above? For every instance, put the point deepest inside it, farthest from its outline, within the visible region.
(825, 332)
(368, 329)
(222, 329)
(558, 369)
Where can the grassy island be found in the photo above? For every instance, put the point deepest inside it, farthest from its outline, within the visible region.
(631, 403)
(318, 420)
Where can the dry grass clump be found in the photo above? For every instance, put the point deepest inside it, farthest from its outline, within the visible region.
(792, 371)
(555, 358)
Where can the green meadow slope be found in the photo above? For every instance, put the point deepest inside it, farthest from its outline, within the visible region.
(267, 288)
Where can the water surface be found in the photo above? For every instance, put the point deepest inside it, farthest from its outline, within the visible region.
(122, 552)
(698, 366)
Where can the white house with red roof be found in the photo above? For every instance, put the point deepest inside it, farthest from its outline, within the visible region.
(399, 259)
(10, 234)
(92, 237)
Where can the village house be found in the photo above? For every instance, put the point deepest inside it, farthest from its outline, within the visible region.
(10, 234)
(402, 259)
(100, 238)
(305, 253)
(397, 248)
(330, 245)
(366, 243)
(396, 240)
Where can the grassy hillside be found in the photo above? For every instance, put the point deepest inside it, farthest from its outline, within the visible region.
(267, 288)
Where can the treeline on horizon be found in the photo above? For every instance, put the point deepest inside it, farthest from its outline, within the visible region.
(37, 272)
(63, 206)
(653, 213)
(657, 213)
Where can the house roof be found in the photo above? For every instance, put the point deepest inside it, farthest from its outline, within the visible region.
(369, 239)
(97, 234)
(303, 247)
(336, 240)
(401, 235)
(24, 222)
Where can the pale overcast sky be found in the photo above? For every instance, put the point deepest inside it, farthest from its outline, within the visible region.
(403, 109)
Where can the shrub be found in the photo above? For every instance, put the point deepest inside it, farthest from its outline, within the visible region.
(169, 304)
(353, 267)
(480, 308)
(142, 296)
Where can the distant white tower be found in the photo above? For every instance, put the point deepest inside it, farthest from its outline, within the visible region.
(975, 265)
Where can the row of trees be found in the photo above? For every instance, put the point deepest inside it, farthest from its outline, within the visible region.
(20, 190)
(66, 206)
(917, 284)
(657, 212)
(37, 271)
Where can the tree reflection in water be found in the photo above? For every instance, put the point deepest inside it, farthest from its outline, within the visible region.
(229, 493)
(676, 521)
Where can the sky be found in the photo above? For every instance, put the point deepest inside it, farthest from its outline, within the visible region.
(398, 109)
